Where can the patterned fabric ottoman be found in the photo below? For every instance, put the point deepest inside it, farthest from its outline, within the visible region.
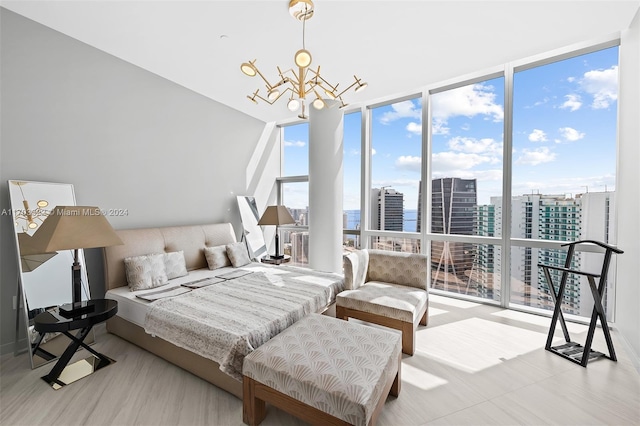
(324, 371)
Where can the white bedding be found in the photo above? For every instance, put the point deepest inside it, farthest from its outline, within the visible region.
(134, 309)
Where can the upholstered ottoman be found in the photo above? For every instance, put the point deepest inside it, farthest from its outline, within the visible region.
(324, 371)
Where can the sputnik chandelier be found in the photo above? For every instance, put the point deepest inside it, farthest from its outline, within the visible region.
(304, 81)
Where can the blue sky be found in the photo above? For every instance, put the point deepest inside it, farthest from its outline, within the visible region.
(564, 132)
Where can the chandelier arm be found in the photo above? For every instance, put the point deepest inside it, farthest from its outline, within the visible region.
(347, 89)
(269, 85)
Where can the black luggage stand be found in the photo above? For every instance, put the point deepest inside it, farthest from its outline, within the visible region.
(572, 351)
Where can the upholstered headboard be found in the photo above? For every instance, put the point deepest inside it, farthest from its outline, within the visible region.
(192, 239)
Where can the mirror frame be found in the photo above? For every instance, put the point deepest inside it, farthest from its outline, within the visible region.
(57, 267)
(252, 232)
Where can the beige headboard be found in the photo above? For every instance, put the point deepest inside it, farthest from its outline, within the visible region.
(192, 239)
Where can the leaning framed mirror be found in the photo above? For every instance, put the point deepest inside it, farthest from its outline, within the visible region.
(44, 279)
(251, 232)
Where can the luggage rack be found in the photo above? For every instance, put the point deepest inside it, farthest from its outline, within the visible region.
(573, 351)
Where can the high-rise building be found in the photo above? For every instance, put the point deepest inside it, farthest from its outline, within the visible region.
(453, 210)
(387, 209)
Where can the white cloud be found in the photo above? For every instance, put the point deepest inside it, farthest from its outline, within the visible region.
(298, 144)
(439, 127)
(602, 85)
(533, 157)
(480, 175)
(445, 162)
(404, 109)
(415, 128)
(475, 146)
(573, 102)
(468, 101)
(537, 136)
(373, 151)
(570, 134)
(409, 162)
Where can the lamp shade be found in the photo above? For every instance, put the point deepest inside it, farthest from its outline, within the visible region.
(74, 227)
(276, 215)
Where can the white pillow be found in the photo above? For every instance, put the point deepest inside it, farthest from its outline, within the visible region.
(216, 257)
(145, 272)
(238, 254)
(175, 264)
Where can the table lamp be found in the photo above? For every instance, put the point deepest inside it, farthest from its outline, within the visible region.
(74, 228)
(276, 215)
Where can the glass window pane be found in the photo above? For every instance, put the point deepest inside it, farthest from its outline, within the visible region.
(396, 148)
(295, 239)
(405, 245)
(466, 158)
(564, 167)
(351, 169)
(466, 268)
(295, 148)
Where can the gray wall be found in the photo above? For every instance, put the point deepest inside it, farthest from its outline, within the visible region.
(628, 192)
(124, 137)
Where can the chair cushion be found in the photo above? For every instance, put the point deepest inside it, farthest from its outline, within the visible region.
(336, 366)
(389, 300)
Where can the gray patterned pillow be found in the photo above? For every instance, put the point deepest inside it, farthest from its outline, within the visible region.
(216, 257)
(238, 254)
(175, 264)
(145, 271)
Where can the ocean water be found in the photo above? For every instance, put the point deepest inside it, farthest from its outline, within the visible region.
(409, 224)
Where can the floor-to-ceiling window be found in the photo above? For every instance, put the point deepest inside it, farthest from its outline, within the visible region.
(564, 167)
(396, 158)
(489, 176)
(293, 191)
(467, 123)
(352, 177)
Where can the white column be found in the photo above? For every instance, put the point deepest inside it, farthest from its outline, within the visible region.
(325, 188)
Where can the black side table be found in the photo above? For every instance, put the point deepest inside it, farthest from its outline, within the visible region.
(52, 322)
(275, 260)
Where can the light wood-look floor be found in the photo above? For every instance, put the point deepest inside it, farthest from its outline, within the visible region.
(474, 364)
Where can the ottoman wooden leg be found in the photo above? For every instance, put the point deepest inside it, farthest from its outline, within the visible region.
(395, 387)
(408, 344)
(253, 409)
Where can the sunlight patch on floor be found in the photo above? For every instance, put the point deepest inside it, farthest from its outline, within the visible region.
(435, 311)
(450, 301)
(538, 320)
(478, 343)
(420, 378)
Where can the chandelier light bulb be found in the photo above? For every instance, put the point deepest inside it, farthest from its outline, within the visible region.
(33, 225)
(248, 69)
(302, 58)
(293, 104)
(43, 203)
(318, 103)
(361, 87)
(273, 94)
(330, 94)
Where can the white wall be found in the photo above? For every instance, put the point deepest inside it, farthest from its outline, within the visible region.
(124, 137)
(628, 191)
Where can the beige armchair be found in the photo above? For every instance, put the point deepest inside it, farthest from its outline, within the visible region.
(386, 288)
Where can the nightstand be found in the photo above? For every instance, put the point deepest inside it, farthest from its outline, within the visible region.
(96, 311)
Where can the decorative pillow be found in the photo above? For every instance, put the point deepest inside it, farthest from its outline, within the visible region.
(216, 257)
(145, 271)
(238, 254)
(175, 264)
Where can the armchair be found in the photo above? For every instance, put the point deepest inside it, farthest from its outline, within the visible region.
(386, 288)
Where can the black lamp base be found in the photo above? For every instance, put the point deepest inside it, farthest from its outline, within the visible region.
(72, 310)
(276, 256)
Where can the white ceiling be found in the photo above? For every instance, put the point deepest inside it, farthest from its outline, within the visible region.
(395, 46)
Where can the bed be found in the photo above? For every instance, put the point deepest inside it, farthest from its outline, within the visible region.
(209, 330)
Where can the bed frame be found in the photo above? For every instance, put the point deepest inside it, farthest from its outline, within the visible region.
(192, 239)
